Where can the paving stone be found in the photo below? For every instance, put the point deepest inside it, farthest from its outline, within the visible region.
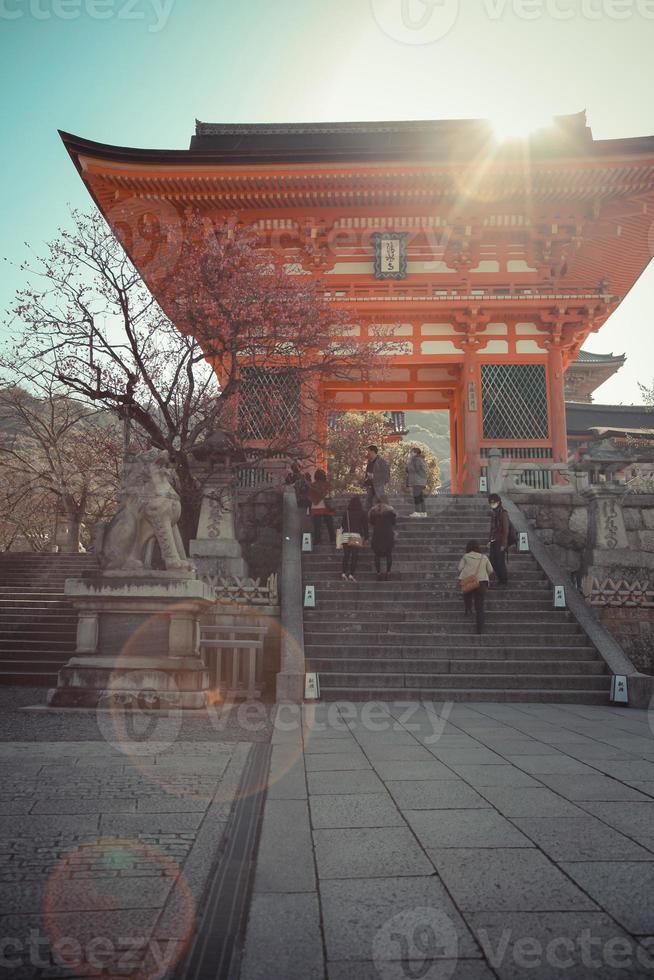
(565, 945)
(479, 756)
(37, 825)
(506, 879)
(133, 824)
(549, 764)
(438, 970)
(435, 794)
(362, 919)
(330, 783)
(95, 894)
(628, 772)
(283, 939)
(634, 819)
(398, 753)
(623, 889)
(414, 770)
(336, 762)
(580, 839)
(504, 775)
(93, 805)
(320, 746)
(379, 853)
(594, 787)
(527, 801)
(464, 828)
(287, 778)
(285, 855)
(366, 810)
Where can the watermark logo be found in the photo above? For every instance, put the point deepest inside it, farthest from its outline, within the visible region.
(130, 715)
(153, 13)
(415, 21)
(423, 941)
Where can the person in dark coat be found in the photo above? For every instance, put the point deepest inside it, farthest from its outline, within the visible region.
(382, 518)
(301, 483)
(319, 491)
(498, 538)
(355, 521)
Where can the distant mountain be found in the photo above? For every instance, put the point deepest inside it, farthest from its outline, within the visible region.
(432, 428)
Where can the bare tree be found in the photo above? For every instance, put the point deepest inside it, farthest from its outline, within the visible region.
(87, 326)
(59, 458)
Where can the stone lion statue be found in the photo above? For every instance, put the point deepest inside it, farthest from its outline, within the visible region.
(149, 508)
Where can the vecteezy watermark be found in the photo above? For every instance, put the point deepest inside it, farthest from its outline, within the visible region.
(422, 941)
(415, 21)
(560, 953)
(428, 21)
(111, 955)
(569, 9)
(130, 717)
(154, 13)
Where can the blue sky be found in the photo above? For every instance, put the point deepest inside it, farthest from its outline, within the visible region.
(138, 72)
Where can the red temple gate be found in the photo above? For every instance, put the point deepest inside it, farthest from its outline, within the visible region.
(488, 264)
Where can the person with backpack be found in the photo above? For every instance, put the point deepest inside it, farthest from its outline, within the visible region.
(416, 478)
(321, 512)
(474, 574)
(355, 531)
(500, 528)
(382, 518)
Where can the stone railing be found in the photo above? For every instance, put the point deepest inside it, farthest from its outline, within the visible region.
(529, 476)
(265, 474)
(244, 590)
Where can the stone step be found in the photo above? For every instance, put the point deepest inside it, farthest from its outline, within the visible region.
(357, 628)
(431, 641)
(488, 651)
(435, 694)
(358, 665)
(497, 602)
(454, 610)
(488, 682)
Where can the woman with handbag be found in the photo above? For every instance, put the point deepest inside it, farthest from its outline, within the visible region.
(474, 572)
(353, 535)
(321, 512)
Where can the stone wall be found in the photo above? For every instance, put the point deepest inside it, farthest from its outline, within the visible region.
(607, 545)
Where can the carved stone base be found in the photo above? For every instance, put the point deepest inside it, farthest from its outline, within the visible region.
(132, 682)
(136, 637)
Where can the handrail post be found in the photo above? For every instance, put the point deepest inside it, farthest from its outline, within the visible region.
(290, 679)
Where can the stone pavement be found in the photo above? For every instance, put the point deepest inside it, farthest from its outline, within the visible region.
(463, 841)
(108, 837)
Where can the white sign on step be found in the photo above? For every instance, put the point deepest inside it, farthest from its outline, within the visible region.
(523, 541)
(483, 484)
(619, 689)
(559, 597)
(311, 687)
(310, 597)
(307, 541)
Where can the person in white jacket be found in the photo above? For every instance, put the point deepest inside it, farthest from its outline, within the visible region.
(474, 562)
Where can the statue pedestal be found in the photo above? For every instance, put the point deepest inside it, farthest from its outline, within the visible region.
(216, 550)
(137, 641)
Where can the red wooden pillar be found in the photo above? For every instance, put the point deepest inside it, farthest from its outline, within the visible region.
(558, 429)
(471, 408)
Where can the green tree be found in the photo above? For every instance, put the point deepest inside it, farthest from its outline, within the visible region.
(397, 454)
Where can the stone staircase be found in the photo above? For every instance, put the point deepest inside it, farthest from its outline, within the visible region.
(408, 638)
(37, 622)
